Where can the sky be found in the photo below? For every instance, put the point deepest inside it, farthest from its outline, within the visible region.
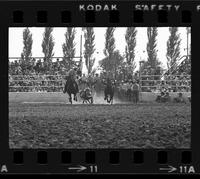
(16, 42)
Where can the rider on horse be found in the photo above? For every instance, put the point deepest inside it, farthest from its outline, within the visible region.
(72, 75)
(109, 84)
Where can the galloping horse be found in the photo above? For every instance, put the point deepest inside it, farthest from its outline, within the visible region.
(71, 87)
(109, 91)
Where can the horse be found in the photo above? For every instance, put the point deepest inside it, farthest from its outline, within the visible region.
(109, 92)
(86, 96)
(71, 87)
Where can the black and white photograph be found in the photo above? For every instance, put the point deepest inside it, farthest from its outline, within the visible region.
(99, 87)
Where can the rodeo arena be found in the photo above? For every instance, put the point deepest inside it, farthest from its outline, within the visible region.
(54, 107)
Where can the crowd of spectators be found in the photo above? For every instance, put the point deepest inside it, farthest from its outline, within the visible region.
(34, 77)
(37, 76)
(35, 83)
(40, 77)
(150, 79)
(154, 81)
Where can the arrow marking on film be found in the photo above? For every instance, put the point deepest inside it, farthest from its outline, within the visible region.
(79, 169)
(169, 169)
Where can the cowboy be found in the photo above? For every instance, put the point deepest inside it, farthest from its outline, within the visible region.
(129, 88)
(135, 89)
(109, 89)
(83, 82)
(72, 75)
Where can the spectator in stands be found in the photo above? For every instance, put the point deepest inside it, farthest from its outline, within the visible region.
(38, 77)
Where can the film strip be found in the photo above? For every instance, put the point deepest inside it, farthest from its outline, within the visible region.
(42, 133)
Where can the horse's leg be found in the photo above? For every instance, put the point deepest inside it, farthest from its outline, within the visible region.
(92, 100)
(64, 90)
(105, 95)
(70, 98)
(75, 97)
(107, 99)
(111, 100)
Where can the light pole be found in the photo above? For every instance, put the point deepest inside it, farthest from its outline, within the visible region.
(140, 65)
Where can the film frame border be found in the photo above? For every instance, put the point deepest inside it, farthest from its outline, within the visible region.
(19, 14)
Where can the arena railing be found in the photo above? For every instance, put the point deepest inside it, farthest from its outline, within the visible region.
(41, 82)
(171, 83)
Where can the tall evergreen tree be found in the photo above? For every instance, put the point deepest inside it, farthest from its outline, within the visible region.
(109, 47)
(26, 54)
(173, 48)
(110, 42)
(188, 31)
(152, 60)
(89, 48)
(130, 38)
(47, 46)
(188, 60)
(69, 47)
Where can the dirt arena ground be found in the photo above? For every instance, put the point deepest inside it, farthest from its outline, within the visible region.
(60, 125)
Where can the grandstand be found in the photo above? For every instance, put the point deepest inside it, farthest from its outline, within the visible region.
(36, 76)
(176, 80)
(38, 79)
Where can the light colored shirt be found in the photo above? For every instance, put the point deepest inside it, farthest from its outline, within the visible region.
(135, 86)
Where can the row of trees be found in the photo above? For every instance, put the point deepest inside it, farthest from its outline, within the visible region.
(113, 63)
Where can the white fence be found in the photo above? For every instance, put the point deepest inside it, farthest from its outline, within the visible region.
(54, 83)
